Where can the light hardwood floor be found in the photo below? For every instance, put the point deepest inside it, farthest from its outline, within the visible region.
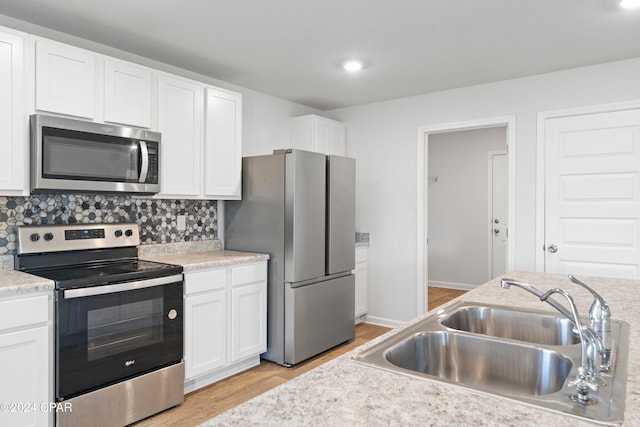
(210, 401)
(438, 296)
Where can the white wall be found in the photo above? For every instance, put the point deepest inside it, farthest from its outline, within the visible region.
(265, 118)
(383, 139)
(458, 205)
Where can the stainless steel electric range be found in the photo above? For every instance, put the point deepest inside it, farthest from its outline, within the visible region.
(118, 321)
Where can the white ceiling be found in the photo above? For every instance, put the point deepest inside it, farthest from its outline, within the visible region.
(292, 48)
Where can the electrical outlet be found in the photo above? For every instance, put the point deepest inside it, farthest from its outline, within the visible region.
(182, 222)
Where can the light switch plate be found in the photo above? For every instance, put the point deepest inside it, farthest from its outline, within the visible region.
(182, 222)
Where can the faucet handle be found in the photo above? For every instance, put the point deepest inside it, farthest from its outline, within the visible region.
(600, 308)
(583, 380)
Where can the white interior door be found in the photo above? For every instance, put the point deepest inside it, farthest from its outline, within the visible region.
(592, 194)
(498, 227)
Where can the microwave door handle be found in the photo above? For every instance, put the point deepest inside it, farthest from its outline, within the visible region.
(144, 167)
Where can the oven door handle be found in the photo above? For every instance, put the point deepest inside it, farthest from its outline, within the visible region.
(120, 287)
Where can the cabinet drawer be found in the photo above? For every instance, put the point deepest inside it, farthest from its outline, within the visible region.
(24, 312)
(203, 281)
(362, 253)
(249, 274)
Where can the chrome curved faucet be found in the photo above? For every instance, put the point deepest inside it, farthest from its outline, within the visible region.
(587, 377)
(600, 315)
(591, 345)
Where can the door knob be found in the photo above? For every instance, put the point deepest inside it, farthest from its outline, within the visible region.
(497, 221)
(552, 249)
(496, 231)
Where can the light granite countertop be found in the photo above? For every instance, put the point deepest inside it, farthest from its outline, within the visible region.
(13, 283)
(343, 393)
(199, 257)
(191, 255)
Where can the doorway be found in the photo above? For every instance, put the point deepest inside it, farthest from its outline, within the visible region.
(426, 181)
(458, 200)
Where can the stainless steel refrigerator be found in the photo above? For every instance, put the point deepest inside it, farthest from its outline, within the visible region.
(299, 207)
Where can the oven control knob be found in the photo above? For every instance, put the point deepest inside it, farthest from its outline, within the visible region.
(48, 236)
(118, 233)
(128, 233)
(34, 237)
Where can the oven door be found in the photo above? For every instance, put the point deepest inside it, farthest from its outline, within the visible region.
(106, 334)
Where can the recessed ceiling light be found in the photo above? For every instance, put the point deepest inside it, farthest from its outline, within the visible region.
(629, 4)
(352, 65)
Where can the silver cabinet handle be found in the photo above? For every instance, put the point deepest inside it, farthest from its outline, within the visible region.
(552, 249)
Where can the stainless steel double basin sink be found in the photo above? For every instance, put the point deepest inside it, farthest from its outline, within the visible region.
(523, 355)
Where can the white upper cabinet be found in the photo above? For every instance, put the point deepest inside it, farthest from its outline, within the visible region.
(223, 144)
(319, 134)
(180, 111)
(200, 125)
(201, 151)
(65, 79)
(337, 139)
(127, 93)
(13, 123)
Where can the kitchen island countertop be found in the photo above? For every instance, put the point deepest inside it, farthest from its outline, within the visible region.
(343, 393)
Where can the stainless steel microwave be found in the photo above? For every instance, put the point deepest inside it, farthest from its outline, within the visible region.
(74, 155)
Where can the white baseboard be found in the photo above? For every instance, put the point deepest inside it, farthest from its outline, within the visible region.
(381, 321)
(452, 285)
(203, 380)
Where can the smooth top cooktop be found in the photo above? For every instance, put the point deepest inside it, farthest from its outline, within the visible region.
(101, 273)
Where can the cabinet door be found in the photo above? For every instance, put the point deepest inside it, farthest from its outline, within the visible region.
(13, 143)
(205, 328)
(127, 93)
(321, 135)
(337, 142)
(65, 79)
(180, 122)
(362, 280)
(248, 320)
(223, 144)
(24, 369)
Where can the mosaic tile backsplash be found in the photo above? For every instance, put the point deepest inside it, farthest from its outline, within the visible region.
(156, 218)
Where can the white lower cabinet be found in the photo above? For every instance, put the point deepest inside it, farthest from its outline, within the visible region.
(205, 347)
(362, 285)
(25, 362)
(249, 316)
(225, 322)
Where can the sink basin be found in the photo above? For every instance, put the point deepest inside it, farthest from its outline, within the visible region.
(516, 325)
(526, 356)
(481, 363)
